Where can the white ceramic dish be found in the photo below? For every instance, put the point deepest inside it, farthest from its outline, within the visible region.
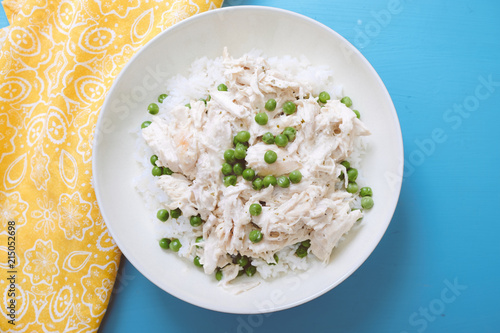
(276, 32)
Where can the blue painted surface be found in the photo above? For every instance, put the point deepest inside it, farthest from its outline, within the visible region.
(3, 19)
(433, 57)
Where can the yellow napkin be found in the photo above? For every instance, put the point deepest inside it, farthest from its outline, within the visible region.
(58, 262)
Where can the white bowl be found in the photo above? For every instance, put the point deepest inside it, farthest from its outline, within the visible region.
(277, 32)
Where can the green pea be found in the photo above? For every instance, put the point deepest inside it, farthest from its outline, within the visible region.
(276, 258)
(188, 105)
(243, 136)
(306, 243)
(346, 164)
(196, 262)
(218, 275)
(250, 270)
(352, 187)
(358, 115)
(166, 171)
(289, 107)
(367, 202)
(230, 180)
(222, 87)
(162, 97)
(199, 240)
(195, 221)
(290, 133)
(175, 245)
(164, 243)
(157, 171)
(281, 140)
(269, 180)
(145, 124)
(324, 97)
(226, 169)
(295, 176)
(255, 236)
(162, 215)
(257, 184)
(248, 174)
(255, 209)
(176, 213)
(270, 157)
(301, 252)
(229, 156)
(240, 152)
(153, 108)
(270, 104)
(153, 159)
(268, 138)
(346, 100)
(366, 192)
(203, 100)
(283, 181)
(209, 98)
(261, 118)
(352, 174)
(243, 261)
(238, 169)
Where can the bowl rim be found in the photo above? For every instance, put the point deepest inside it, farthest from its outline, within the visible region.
(381, 231)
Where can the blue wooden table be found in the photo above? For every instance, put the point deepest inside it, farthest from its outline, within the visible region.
(437, 269)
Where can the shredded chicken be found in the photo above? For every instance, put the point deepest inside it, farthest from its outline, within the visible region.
(192, 144)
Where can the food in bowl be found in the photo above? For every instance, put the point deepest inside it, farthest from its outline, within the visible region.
(250, 166)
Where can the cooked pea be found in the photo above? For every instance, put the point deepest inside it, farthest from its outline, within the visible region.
(295, 176)
(268, 138)
(257, 184)
(209, 98)
(218, 274)
(276, 258)
(203, 100)
(324, 97)
(346, 100)
(289, 107)
(248, 174)
(352, 174)
(176, 213)
(196, 262)
(366, 192)
(153, 159)
(157, 171)
(367, 202)
(346, 164)
(188, 105)
(269, 180)
(166, 171)
(301, 252)
(358, 115)
(281, 140)
(222, 87)
(175, 245)
(195, 221)
(162, 215)
(199, 240)
(290, 133)
(250, 270)
(261, 118)
(270, 157)
(229, 156)
(243, 261)
(145, 124)
(153, 108)
(243, 136)
(255, 209)
(162, 97)
(352, 187)
(238, 169)
(255, 236)
(230, 180)
(270, 104)
(226, 169)
(240, 152)
(283, 181)
(164, 243)
(306, 243)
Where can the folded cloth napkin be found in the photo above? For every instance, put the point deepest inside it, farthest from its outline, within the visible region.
(59, 57)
